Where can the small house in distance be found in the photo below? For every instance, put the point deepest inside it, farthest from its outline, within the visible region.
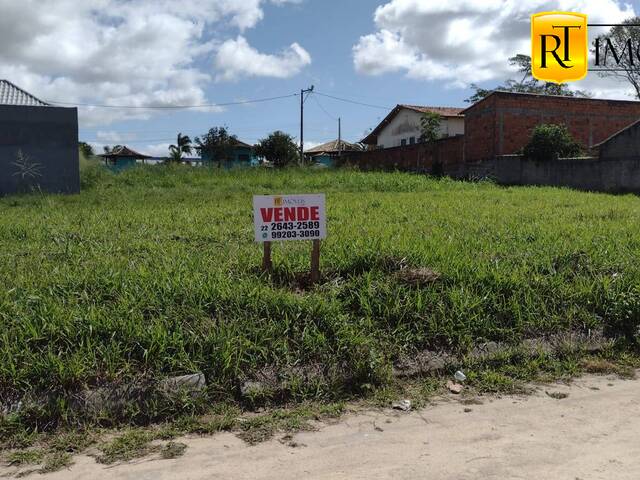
(121, 157)
(327, 153)
(241, 156)
(402, 125)
(38, 144)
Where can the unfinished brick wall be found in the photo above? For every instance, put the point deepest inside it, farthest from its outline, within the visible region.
(502, 123)
(448, 152)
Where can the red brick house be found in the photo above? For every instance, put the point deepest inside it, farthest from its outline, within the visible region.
(502, 122)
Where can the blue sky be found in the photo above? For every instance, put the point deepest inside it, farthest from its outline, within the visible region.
(166, 53)
(328, 30)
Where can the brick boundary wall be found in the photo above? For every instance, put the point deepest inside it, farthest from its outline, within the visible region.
(445, 156)
(502, 123)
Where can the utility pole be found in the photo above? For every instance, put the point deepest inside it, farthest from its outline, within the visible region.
(339, 138)
(302, 92)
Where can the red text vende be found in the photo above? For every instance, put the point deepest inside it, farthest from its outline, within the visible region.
(289, 214)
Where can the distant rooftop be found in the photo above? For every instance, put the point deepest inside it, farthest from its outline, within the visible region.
(444, 111)
(332, 147)
(123, 151)
(11, 94)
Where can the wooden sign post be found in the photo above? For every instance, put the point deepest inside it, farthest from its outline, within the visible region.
(290, 217)
(315, 261)
(266, 257)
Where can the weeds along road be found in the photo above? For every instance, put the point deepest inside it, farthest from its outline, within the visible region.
(593, 433)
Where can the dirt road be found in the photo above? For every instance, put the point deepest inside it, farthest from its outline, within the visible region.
(594, 433)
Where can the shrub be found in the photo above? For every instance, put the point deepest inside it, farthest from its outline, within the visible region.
(550, 141)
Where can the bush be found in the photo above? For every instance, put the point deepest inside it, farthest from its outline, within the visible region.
(549, 142)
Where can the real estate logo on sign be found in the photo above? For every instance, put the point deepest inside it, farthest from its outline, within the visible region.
(559, 46)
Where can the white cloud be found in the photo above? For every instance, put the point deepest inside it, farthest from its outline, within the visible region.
(383, 52)
(134, 52)
(114, 137)
(156, 149)
(309, 144)
(462, 42)
(236, 58)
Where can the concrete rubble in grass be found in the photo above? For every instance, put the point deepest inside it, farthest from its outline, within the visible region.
(454, 387)
(191, 383)
(252, 388)
(404, 405)
(430, 362)
(111, 397)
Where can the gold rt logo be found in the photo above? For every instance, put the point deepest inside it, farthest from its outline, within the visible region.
(559, 46)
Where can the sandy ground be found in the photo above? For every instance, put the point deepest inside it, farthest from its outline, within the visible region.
(594, 433)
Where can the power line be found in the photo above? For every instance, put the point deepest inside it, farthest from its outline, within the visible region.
(222, 104)
(174, 107)
(354, 102)
(323, 109)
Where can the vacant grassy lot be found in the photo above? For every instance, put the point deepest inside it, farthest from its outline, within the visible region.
(153, 273)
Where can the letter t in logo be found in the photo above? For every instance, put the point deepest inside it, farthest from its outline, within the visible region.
(559, 46)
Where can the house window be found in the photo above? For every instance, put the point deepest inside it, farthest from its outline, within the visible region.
(403, 142)
(412, 140)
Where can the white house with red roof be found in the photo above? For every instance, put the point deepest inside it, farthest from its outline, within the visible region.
(402, 125)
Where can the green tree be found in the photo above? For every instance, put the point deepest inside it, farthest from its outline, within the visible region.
(182, 146)
(526, 84)
(617, 49)
(216, 145)
(278, 148)
(430, 127)
(549, 142)
(86, 150)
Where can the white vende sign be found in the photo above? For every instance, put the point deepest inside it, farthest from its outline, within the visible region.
(289, 217)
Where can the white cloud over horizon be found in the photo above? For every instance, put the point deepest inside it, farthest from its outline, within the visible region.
(138, 53)
(464, 42)
(236, 58)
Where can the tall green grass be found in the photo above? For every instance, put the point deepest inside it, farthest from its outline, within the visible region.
(153, 272)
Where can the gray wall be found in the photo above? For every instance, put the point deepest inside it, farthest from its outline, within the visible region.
(625, 144)
(48, 137)
(607, 175)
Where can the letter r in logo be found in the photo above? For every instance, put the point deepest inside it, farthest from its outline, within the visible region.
(559, 46)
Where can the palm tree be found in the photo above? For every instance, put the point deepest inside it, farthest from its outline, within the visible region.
(107, 149)
(182, 146)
